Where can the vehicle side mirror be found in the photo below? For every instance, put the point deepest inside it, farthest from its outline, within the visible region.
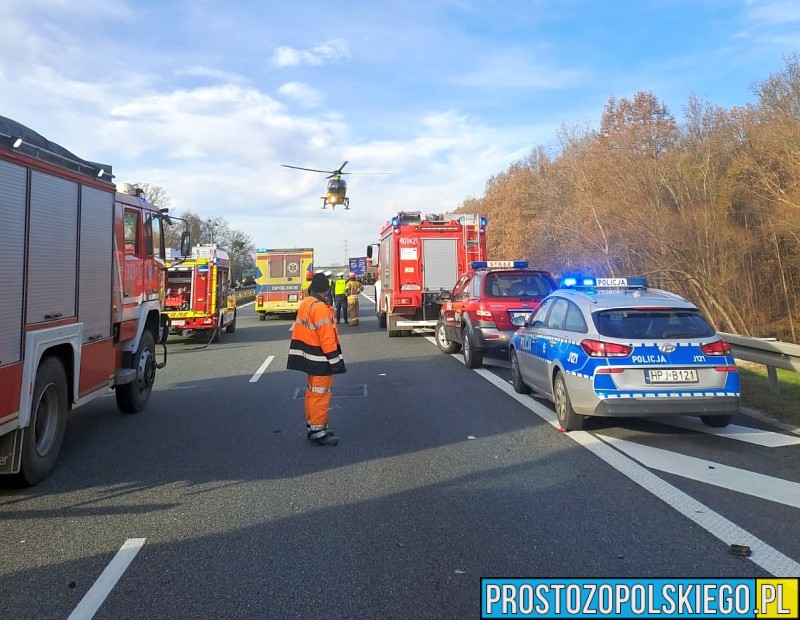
(444, 295)
(519, 321)
(369, 251)
(186, 247)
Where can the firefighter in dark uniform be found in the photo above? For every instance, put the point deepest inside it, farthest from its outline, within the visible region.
(315, 350)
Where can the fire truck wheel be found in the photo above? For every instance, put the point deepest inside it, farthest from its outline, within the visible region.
(132, 397)
(262, 316)
(231, 327)
(393, 333)
(473, 358)
(443, 342)
(216, 333)
(45, 433)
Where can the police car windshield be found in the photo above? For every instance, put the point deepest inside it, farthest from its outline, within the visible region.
(644, 324)
(517, 285)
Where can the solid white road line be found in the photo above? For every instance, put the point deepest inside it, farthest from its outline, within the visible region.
(262, 369)
(733, 478)
(98, 593)
(764, 555)
(768, 439)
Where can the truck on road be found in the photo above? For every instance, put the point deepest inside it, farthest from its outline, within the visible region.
(198, 296)
(417, 258)
(282, 279)
(81, 283)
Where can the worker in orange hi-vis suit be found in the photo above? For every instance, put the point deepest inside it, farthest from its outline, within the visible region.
(315, 350)
(352, 289)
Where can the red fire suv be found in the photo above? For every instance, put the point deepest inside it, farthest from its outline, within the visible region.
(476, 316)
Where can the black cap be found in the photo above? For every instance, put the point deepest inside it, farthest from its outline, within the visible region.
(319, 283)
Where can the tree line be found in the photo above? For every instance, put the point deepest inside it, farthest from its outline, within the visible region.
(215, 229)
(708, 207)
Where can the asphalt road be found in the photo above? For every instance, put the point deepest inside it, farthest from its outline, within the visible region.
(443, 475)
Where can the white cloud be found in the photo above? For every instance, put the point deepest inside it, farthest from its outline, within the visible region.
(304, 94)
(332, 51)
(208, 72)
(772, 12)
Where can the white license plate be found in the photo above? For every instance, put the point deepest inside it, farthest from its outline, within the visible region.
(292, 298)
(176, 323)
(514, 315)
(671, 375)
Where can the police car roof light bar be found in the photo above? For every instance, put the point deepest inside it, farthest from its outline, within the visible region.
(604, 283)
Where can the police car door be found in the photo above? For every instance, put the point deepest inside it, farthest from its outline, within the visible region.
(550, 345)
(532, 346)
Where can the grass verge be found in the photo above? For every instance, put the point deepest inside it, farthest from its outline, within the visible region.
(784, 406)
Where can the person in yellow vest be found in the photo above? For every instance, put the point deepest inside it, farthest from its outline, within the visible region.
(340, 296)
(315, 350)
(353, 290)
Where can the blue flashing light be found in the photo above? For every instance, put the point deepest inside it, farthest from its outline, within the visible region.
(479, 264)
(483, 221)
(602, 283)
(637, 283)
(395, 221)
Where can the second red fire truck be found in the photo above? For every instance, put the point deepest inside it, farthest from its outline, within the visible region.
(198, 296)
(418, 257)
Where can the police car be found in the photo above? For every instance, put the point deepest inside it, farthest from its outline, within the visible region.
(476, 316)
(614, 347)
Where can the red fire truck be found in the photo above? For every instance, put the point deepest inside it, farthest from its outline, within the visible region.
(198, 296)
(418, 257)
(83, 271)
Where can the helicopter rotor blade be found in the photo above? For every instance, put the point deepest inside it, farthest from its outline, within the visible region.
(336, 173)
(309, 169)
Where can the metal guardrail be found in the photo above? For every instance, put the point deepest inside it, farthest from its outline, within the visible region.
(245, 292)
(770, 352)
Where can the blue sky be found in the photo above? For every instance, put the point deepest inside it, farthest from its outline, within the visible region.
(208, 98)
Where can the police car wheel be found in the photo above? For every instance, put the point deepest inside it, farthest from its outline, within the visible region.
(716, 421)
(569, 420)
(443, 342)
(516, 377)
(473, 358)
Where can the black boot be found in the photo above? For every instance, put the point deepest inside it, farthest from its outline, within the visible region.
(328, 439)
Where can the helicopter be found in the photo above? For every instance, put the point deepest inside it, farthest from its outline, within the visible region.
(337, 187)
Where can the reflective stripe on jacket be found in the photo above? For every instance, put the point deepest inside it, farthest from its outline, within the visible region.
(314, 348)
